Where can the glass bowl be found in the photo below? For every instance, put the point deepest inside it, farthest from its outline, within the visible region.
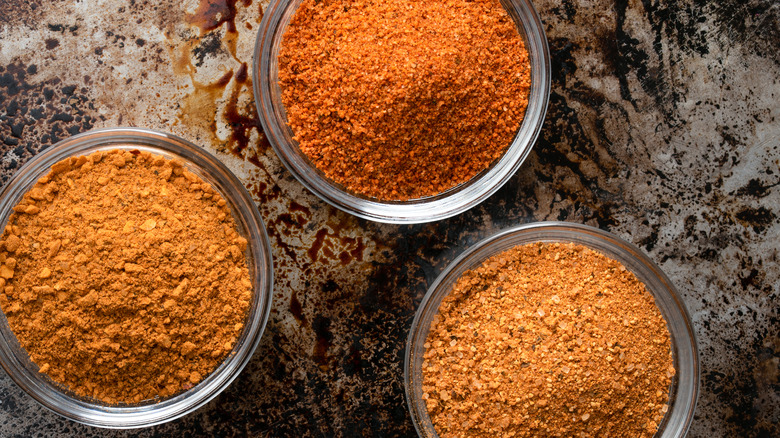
(685, 384)
(14, 358)
(265, 74)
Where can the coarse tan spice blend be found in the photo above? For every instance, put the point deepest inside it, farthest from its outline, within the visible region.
(123, 276)
(403, 99)
(547, 339)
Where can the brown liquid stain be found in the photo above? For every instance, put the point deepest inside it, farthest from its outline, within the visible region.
(212, 14)
(319, 240)
(296, 309)
(254, 159)
(230, 40)
(326, 243)
(284, 225)
(202, 106)
(222, 82)
(242, 75)
(294, 206)
(242, 120)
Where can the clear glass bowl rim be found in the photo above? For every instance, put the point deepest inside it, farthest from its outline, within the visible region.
(17, 364)
(447, 204)
(685, 386)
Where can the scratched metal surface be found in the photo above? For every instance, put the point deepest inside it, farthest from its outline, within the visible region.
(663, 127)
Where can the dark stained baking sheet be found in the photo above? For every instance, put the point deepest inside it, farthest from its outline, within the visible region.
(663, 128)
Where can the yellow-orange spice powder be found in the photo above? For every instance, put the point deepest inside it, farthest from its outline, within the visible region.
(547, 339)
(123, 277)
(403, 99)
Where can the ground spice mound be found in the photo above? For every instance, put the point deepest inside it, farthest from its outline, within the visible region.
(547, 340)
(123, 276)
(402, 99)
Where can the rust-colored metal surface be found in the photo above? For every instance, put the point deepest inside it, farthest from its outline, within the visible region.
(663, 127)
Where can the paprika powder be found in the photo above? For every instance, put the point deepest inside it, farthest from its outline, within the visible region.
(403, 99)
(547, 339)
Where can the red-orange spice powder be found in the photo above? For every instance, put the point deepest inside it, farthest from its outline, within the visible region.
(548, 340)
(403, 99)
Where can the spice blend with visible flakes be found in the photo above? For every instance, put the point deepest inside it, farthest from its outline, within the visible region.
(123, 277)
(547, 339)
(403, 99)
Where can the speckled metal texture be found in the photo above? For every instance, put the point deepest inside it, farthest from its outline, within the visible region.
(663, 128)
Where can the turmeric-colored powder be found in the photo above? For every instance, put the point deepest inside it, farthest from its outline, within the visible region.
(547, 339)
(403, 99)
(123, 277)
